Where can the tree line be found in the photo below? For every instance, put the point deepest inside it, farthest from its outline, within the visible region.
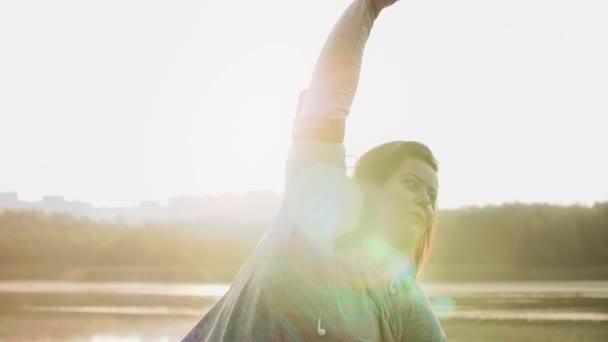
(512, 241)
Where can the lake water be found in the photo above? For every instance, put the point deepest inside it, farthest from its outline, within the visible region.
(110, 304)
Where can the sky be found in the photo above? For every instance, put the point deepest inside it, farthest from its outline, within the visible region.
(115, 102)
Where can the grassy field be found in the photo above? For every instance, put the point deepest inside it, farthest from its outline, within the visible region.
(53, 327)
(478, 331)
(74, 327)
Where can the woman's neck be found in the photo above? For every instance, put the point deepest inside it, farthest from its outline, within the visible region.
(371, 248)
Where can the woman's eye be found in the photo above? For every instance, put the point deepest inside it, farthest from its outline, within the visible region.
(411, 183)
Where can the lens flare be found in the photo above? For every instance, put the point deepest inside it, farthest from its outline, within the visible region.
(398, 266)
(444, 307)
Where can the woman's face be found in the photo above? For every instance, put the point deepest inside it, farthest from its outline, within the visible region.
(407, 203)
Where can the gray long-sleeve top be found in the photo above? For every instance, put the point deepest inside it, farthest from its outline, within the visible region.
(303, 283)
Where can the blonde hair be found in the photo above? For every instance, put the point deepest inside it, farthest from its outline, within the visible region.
(424, 245)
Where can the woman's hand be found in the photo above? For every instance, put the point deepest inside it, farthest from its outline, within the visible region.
(380, 4)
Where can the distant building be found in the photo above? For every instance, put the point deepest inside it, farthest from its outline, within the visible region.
(9, 200)
(8, 197)
(53, 202)
(253, 206)
(186, 208)
(152, 211)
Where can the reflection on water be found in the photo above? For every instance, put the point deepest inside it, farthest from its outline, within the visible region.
(526, 315)
(531, 301)
(164, 289)
(526, 290)
(162, 312)
(107, 338)
(121, 310)
(443, 312)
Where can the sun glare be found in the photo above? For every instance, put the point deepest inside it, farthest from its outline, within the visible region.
(240, 137)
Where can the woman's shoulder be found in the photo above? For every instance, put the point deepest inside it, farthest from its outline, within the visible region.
(421, 319)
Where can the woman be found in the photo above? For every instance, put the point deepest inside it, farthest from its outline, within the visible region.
(340, 259)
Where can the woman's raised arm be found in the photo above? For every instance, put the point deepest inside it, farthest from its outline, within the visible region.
(336, 74)
(323, 108)
(316, 182)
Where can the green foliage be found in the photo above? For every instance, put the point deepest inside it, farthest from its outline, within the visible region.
(521, 241)
(512, 241)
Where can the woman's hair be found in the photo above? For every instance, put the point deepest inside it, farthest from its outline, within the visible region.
(378, 164)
